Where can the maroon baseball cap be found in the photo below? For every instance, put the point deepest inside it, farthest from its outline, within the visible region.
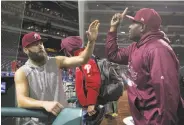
(30, 38)
(71, 43)
(148, 17)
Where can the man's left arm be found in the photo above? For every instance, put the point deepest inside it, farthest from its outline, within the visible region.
(83, 58)
(63, 61)
(163, 68)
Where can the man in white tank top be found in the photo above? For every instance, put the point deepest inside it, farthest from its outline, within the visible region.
(38, 82)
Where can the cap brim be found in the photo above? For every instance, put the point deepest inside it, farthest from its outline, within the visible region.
(130, 17)
(133, 19)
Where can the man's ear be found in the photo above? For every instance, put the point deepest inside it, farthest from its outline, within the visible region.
(25, 50)
(143, 29)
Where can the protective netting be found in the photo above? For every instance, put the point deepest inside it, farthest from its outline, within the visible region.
(11, 20)
(12, 14)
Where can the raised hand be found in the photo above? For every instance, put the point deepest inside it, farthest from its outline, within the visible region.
(116, 20)
(122, 16)
(92, 32)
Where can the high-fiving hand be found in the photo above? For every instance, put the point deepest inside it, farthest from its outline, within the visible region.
(116, 20)
(92, 32)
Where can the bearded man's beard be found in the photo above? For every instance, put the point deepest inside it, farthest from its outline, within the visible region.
(39, 57)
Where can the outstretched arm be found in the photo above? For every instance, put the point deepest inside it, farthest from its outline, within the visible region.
(86, 54)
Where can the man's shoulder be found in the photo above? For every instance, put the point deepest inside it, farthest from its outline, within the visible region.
(20, 71)
(25, 69)
(158, 44)
(51, 59)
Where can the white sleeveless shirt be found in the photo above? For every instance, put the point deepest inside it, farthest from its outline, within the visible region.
(45, 82)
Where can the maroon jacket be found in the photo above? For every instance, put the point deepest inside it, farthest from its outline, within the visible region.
(153, 93)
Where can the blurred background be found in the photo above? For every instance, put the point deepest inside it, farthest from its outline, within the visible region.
(56, 20)
(172, 14)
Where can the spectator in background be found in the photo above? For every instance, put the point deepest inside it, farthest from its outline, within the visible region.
(38, 82)
(153, 90)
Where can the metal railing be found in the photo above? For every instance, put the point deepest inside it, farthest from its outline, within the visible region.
(68, 116)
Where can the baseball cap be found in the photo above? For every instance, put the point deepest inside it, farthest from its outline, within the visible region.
(71, 43)
(148, 17)
(30, 38)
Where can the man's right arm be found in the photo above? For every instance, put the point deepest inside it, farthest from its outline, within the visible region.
(23, 99)
(22, 92)
(113, 52)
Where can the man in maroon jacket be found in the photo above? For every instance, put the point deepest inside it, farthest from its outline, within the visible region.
(153, 89)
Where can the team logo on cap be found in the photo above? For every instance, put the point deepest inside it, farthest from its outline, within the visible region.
(36, 36)
(142, 19)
